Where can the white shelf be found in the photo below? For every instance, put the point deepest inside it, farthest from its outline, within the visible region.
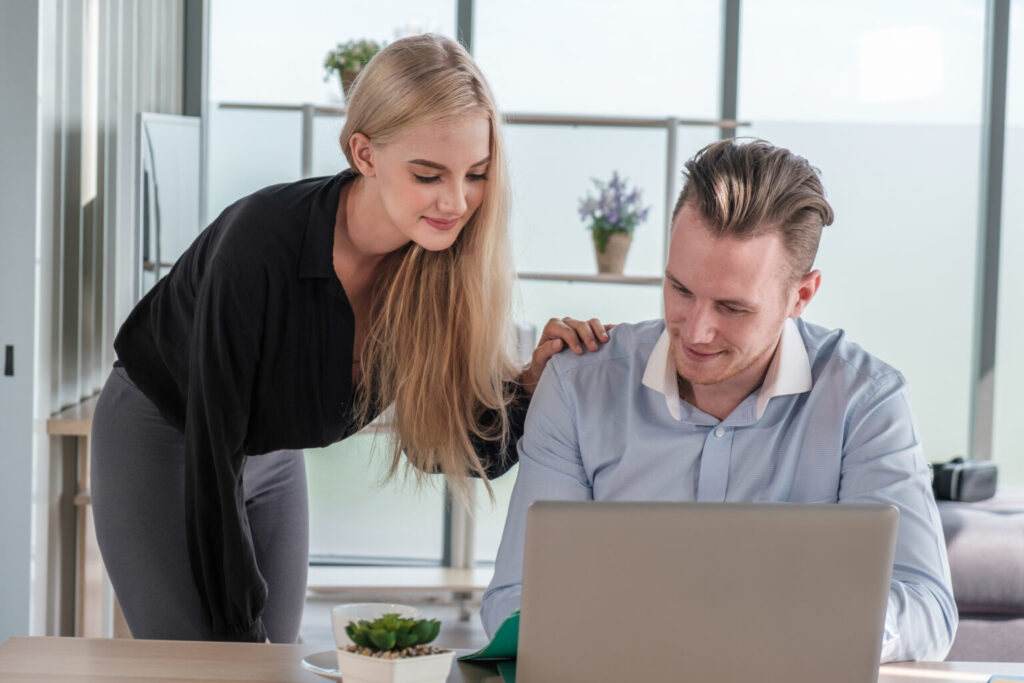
(593, 277)
(325, 580)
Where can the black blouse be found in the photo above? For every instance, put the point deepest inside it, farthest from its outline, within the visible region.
(246, 347)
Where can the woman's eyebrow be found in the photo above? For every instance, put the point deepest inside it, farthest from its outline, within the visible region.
(442, 167)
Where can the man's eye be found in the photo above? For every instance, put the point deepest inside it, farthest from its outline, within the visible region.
(426, 179)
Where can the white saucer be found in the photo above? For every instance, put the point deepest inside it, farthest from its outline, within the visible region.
(323, 664)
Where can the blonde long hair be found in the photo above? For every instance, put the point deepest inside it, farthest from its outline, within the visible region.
(437, 344)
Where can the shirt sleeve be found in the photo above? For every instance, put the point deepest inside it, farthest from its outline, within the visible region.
(223, 359)
(883, 462)
(550, 468)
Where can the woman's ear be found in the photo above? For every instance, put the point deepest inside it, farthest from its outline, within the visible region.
(362, 154)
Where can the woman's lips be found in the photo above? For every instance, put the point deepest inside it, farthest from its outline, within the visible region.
(441, 223)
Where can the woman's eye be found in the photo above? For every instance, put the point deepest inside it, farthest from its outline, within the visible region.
(477, 176)
(426, 179)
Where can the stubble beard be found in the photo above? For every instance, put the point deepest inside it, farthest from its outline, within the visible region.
(725, 374)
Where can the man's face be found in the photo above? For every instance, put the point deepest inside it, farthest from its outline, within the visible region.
(726, 300)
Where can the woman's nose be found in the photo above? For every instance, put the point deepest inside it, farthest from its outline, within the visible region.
(452, 201)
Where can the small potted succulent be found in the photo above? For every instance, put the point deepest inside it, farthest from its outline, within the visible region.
(393, 649)
(612, 216)
(348, 59)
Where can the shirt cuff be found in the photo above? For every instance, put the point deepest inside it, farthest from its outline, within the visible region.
(497, 607)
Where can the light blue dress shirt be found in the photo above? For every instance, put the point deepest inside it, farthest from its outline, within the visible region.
(830, 423)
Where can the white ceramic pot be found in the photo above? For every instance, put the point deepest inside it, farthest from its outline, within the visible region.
(356, 668)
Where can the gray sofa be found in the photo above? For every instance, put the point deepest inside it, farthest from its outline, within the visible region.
(985, 541)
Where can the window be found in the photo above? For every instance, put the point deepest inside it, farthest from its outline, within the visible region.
(886, 100)
(265, 52)
(1008, 439)
(355, 518)
(603, 57)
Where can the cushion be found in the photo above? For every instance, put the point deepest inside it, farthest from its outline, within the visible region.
(985, 542)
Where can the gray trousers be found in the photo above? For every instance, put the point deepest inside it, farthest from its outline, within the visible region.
(138, 498)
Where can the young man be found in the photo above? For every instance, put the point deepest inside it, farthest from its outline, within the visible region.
(732, 397)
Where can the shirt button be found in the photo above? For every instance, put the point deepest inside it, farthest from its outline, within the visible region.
(720, 432)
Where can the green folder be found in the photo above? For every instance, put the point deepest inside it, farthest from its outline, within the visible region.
(507, 669)
(502, 646)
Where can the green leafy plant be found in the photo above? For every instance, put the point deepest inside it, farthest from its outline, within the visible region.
(348, 59)
(392, 632)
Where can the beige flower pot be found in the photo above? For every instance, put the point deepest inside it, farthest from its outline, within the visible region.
(613, 258)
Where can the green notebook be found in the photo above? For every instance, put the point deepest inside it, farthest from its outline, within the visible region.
(502, 646)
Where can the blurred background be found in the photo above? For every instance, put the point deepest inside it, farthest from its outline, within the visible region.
(886, 99)
(913, 111)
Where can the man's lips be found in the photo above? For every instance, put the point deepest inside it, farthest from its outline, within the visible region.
(442, 223)
(700, 356)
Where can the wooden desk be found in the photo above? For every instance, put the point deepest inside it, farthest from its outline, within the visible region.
(86, 660)
(96, 660)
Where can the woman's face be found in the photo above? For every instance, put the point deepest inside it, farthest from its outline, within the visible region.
(431, 179)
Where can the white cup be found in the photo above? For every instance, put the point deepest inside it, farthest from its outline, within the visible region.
(341, 615)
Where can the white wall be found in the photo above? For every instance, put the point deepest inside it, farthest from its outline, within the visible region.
(19, 179)
(73, 75)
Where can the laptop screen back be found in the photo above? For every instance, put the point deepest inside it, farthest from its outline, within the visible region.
(704, 591)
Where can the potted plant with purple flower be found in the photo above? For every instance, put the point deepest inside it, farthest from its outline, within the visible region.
(613, 215)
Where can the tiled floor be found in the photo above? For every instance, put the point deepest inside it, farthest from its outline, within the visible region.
(455, 633)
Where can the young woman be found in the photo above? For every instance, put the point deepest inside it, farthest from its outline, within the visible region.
(297, 316)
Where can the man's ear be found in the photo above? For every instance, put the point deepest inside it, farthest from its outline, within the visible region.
(362, 155)
(805, 289)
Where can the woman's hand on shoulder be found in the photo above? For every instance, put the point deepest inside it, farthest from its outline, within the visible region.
(560, 333)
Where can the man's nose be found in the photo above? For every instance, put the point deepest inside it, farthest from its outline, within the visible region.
(452, 201)
(700, 326)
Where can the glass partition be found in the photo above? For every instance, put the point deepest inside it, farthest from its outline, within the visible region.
(328, 158)
(168, 181)
(1008, 438)
(358, 517)
(273, 52)
(248, 150)
(647, 58)
(551, 169)
(263, 51)
(886, 100)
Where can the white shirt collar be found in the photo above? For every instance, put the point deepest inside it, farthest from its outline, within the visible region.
(788, 373)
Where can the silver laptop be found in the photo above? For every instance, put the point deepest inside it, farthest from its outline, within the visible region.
(715, 592)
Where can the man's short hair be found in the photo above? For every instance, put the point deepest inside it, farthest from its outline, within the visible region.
(745, 189)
